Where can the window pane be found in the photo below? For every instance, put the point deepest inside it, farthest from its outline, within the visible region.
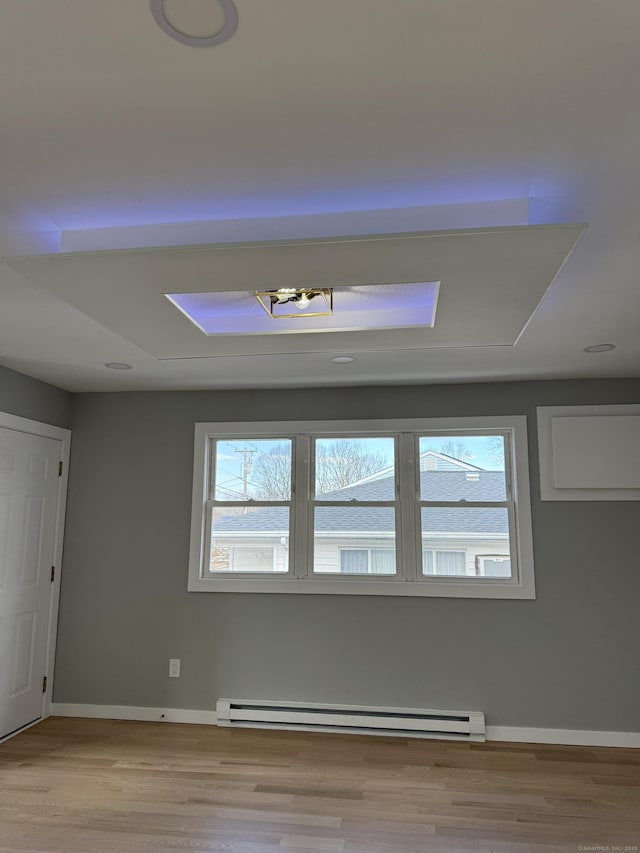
(354, 562)
(355, 469)
(446, 563)
(373, 561)
(383, 562)
(456, 468)
(338, 530)
(474, 531)
(250, 539)
(427, 562)
(494, 567)
(451, 563)
(253, 468)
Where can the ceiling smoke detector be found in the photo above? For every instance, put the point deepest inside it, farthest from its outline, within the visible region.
(118, 365)
(197, 17)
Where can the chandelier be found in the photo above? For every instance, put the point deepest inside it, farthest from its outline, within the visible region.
(308, 302)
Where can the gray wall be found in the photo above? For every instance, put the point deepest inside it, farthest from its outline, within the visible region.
(568, 659)
(29, 398)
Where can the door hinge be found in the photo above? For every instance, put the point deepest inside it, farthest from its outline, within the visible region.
(60, 466)
(44, 684)
(53, 573)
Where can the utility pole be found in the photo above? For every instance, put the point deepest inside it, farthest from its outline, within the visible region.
(246, 468)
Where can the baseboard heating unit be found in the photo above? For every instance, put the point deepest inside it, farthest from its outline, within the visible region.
(352, 719)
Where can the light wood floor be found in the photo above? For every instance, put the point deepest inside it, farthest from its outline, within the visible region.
(97, 785)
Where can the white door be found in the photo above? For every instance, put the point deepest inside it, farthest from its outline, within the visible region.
(28, 507)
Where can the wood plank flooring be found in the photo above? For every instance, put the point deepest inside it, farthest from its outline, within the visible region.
(95, 785)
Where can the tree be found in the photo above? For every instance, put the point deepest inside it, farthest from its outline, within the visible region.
(344, 461)
(338, 464)
(456, 449)
(496, 449)
(460, 450)
(271, 474)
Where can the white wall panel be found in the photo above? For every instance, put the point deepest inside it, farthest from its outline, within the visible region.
(589, 453)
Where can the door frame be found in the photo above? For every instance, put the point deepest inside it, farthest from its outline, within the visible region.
(62, 435)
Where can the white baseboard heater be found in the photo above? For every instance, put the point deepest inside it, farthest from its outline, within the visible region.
(352, 719)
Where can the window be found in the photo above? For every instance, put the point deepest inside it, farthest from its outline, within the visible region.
(444, 563)
(250, 506)
(494, 566)
(418, 507)
(243, 558)
(373, 561)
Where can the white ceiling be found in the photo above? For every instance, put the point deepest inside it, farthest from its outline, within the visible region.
(337, 118)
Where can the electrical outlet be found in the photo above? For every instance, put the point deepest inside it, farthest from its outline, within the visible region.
(174, 668)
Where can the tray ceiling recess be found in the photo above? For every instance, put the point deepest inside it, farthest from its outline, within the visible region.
(288, 310)
(487, 284)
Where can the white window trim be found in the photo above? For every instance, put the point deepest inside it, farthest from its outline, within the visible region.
(521, 586)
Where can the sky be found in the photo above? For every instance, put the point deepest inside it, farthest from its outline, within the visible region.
(232, 455)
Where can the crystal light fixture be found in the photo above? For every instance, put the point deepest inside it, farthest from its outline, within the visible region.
(308, 302)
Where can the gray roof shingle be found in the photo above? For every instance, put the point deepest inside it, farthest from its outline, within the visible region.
(436, 486)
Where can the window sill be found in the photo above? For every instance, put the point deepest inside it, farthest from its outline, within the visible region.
(463, 588)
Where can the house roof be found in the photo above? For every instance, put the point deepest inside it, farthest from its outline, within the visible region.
(436, 486)
(448, 463)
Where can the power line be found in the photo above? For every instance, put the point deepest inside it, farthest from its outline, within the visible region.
(235, 477)
(246, 467)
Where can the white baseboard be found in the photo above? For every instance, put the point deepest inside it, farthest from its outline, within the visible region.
(566, 737)
(132, 712)
(514, 734)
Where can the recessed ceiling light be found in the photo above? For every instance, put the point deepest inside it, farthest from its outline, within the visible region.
(118, 365)
(342, 359)
(599, 348)
(197, 23)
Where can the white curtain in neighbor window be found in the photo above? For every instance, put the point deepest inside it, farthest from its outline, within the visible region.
(362, 561)
(354, 562)
(383, 562)
(450, 563)
(446, 563)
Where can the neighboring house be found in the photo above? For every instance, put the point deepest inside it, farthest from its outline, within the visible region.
(430, 460)
(435, 460)
(360, 540)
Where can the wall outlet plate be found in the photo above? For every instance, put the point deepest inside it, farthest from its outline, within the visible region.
(174, 668)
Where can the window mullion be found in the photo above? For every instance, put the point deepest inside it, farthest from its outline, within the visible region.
(206, 539)
(407, 514)
(301, 528)
(466, 504)
(514, 545)
(508, 464)
(210, 461)
(355, 504)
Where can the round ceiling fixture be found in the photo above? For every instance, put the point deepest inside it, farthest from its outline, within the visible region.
(599, 348)
(118, 365)
(197, 23)
(342, 359)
